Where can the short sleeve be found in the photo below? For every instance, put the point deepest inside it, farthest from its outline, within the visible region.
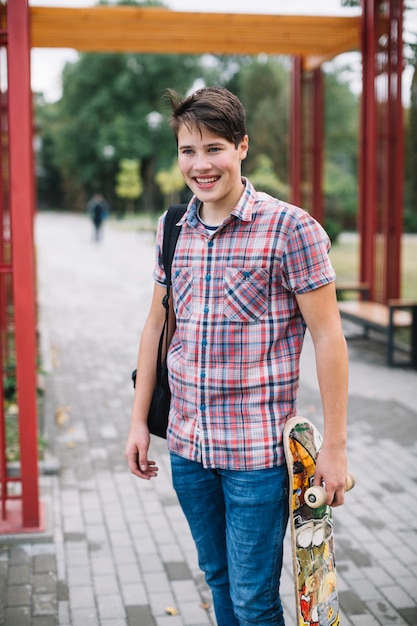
(306, 261)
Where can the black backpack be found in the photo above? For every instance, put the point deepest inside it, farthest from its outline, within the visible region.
(169, 242)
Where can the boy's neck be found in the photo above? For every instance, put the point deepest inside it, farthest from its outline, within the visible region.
(213, 215)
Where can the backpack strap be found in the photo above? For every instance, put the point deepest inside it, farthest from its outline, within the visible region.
(169, 242)
(171, 233)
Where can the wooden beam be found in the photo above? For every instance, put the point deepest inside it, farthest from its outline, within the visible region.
(158, 30)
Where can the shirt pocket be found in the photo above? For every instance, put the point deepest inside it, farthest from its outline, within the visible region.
(246, 294)
(182, 282)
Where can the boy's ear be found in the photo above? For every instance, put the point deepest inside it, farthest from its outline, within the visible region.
(244, 147)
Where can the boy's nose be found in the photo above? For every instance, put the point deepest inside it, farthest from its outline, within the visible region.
(202, 163)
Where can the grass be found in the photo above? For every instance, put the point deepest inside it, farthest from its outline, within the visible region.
(12, 448)
(409, 267)
(136, 222)
(345, 258)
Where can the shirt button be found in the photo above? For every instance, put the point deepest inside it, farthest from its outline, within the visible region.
(246, 274)
(203, 375)
(203, 407)
(208, 277)
(210, 244)
(204, 343)
(206, 309)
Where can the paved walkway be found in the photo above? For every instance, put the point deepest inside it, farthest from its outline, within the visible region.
(116, 550)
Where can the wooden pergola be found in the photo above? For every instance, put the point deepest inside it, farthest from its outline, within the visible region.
(377, 33)
(157, 30)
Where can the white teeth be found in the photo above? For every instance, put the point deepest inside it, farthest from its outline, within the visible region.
(201, 181)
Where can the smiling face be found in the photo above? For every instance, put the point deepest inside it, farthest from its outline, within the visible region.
(211, 167)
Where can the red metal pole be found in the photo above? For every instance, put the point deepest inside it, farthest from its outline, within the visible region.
(395, 157)
(3, 339)
(317, 165)
(295, 141)
(22, 205)
(368, 152)
(3, 464)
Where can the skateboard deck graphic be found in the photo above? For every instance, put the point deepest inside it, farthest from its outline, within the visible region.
(311, 522)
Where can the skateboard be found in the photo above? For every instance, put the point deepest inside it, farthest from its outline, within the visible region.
(312, 538)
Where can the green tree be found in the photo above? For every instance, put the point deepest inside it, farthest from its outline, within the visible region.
(263, 86)
(410, 214)
(106, 112)
(341, 120)
(265, 179)
(106, 102)
(110, 100)
(128, 182)
(171, 183)
(49, 181)
(341, 136)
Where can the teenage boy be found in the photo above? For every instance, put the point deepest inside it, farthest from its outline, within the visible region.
(250, 273)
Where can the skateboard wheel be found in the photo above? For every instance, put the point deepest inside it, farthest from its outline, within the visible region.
(315, 497)
(350, 482)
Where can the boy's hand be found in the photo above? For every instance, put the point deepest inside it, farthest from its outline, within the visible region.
(331, 471)
(136, 453)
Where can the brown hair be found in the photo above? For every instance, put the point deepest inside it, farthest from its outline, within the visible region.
(213, 108)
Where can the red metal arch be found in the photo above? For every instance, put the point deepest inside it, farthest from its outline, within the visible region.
(382, 149)
(380, 204)
(380, 200)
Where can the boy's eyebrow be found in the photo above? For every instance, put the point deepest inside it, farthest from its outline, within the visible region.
(206, 145)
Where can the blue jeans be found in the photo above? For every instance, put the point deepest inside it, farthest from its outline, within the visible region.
(238, 521)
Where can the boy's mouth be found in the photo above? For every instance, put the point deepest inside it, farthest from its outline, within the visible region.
(207, 180)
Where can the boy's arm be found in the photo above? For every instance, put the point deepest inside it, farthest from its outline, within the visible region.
(321, 314)
(136, 451)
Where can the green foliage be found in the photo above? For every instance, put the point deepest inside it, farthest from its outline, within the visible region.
(264, 90)
(9, 380)
(340, 195)
(12, 434)
(11, 408)
(106, 100)
(341, 133)
(264, 179)
(341, 121)
(49, 180)
(410, 213)
(128, 182)
(171, 182)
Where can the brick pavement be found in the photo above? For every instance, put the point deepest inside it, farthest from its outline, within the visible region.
(116, 550)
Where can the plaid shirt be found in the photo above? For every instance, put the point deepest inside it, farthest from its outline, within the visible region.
(234, 357)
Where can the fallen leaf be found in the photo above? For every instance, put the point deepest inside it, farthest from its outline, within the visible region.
(170, 610)
(61, 415)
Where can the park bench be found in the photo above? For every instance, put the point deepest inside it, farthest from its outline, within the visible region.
(387, 319)
(348, 287)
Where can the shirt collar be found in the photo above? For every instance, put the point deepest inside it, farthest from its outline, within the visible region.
(243, 210)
